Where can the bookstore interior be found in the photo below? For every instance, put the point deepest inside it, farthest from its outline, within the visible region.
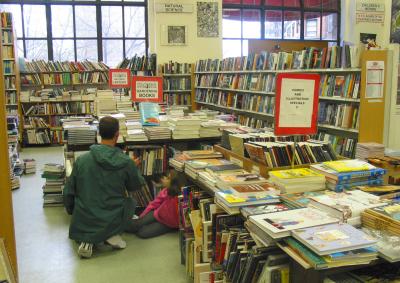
(243, 141)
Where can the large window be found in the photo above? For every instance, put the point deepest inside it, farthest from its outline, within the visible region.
(277, 20)
(79, 29)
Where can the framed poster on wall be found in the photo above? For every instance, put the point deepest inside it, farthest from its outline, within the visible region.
(296, 106)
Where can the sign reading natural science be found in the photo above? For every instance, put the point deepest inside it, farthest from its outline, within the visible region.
(147, 89)
(296, 107)
(119, 78)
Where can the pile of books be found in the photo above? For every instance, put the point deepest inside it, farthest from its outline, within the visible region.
(369, 150)
(211, 128)
(105, 103)
(158, 133)
(15, 181)
(178, 161)
(29, 166)
(345, 174)
(53, 188)
(385, 218)
(185, 127)
(297, 180)
(135, 131)
(279, 154)
(193, 167)
(80, 134)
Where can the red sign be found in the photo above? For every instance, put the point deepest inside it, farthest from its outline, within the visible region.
(147, 89)
(119, 78)
(296, 106)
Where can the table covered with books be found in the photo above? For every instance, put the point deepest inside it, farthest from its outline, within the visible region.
(318, 221)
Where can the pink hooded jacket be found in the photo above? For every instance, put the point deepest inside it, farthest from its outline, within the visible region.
(165, 209)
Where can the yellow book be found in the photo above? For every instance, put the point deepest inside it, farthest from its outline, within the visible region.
(294, 173)
(349, 165)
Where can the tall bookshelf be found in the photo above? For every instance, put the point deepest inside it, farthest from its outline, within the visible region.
(6, 208)
(245, 86)
(10, 68)
(177, 83)
(51, 91)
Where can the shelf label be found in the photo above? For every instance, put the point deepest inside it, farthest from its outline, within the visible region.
(236, 161)
(174, 8)
(119, 78)
(296, 107)
(147, 89)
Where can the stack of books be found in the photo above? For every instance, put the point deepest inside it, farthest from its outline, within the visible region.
(30, 166)
(384, 218)
(193, 167)
(346, 206)
(279, 225)
(185, 127)
(80, 134)
(332, 245)
(105, 103)
(211, 128)
(135, 132)
(178, 161)
(15, 181)
(158, 133)
(345, 174)
(53, 188)
(297, 180)
(365, 150)
(238, 196)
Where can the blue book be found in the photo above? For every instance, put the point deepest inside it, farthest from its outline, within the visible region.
(342, 176)
(342, 187)
(333, 238)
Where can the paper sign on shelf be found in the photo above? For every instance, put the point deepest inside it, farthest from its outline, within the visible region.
(296, 107)
(147, 89)
(119, 78)
(375, 79)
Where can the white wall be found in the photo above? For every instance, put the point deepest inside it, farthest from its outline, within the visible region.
(351, 30)
(196, 48)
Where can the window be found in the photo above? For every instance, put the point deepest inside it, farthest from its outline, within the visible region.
(104, 30)
(244, 20)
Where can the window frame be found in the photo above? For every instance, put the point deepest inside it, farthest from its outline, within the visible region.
(98, 4)
(263, 8)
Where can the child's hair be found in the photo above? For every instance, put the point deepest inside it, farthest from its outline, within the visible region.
(175, 188)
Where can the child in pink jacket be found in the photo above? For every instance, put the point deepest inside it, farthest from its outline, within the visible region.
(160, 215)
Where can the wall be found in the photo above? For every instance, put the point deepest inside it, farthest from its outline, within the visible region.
(196, 48)
(350, 31)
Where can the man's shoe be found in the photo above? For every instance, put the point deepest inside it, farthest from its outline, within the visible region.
(85, 250)
(116, 242)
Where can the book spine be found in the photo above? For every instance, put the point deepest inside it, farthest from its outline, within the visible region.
(359, 174)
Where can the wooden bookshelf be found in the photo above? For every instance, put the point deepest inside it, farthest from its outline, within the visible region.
(6, 207)
(176, 75)
(220, 90)
(8, 41)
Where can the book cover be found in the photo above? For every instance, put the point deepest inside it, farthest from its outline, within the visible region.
(280, 224)
(333, 238)
(349, 165)
(294, 174)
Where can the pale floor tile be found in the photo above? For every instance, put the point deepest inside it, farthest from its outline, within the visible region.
(45, 254)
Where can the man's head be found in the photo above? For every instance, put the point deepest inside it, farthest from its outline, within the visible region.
(109, 130)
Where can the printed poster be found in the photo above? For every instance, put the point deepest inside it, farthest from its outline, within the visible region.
(147, 89)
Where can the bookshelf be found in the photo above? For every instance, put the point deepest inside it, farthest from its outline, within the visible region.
(245, 86)
(177, 83)
(10, 66)
(52, 91)
(6, 209)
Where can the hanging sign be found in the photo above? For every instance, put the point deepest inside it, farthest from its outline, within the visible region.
(296, 106)
(375, 80)
(147, 89)
(174, 8)
(370, 11)
(119, 78)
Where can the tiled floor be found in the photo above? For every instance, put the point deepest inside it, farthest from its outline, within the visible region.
(45, 254)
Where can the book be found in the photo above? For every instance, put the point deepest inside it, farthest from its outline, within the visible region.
(346, 206)
(280, 224)
(333, 238)
(349, 165)
(335, 175)
(263, 209)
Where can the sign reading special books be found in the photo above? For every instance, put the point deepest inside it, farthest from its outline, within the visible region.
(119, 78)
(147, 89)
(296, 107)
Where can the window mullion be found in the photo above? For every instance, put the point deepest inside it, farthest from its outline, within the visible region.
(49, 32)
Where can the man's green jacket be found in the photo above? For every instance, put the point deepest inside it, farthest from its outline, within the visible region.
(96, 194)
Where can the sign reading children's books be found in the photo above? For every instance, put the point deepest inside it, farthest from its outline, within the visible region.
(296, 106)
(147, 89)
(119, 78)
